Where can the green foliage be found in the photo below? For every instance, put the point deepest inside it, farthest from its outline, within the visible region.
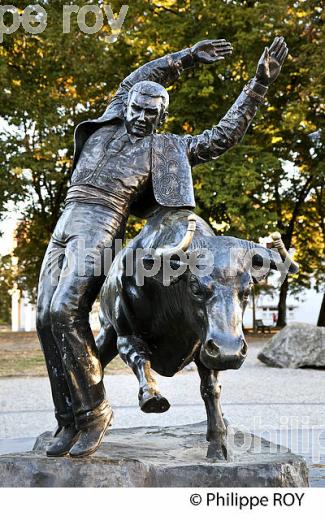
(52, 81)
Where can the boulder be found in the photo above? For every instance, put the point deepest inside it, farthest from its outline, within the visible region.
(296, 345)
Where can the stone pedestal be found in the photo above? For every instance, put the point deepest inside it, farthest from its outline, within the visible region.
(158, 457)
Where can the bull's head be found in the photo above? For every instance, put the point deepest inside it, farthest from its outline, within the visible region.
(214, 302)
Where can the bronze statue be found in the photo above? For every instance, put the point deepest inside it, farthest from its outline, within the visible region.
(122, 166)
(194, 317)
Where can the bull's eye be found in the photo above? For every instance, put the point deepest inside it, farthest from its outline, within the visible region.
(200, 291)
(245, 294)
(195, 287)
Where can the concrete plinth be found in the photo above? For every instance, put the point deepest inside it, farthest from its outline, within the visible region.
(158, 457)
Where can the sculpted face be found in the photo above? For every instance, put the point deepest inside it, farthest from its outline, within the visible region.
(143, 114)
(213, 303)
(218, 301)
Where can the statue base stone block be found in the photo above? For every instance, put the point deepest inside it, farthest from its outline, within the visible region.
(159, 457)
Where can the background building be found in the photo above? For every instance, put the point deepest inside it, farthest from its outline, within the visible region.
(303, 308)
(23, 313)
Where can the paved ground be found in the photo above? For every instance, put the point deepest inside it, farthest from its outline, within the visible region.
(284, 405)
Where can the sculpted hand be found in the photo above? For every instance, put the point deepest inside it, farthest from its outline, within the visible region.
(209, 51)
(271, 61)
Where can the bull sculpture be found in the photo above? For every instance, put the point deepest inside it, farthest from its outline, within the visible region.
(192, 316)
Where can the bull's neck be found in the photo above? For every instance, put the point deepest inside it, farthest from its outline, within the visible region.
(161, 211)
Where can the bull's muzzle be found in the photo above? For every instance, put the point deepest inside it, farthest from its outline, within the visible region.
(213, 357)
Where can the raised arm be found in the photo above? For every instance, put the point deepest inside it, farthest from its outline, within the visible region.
(166, 70)
(229, 131)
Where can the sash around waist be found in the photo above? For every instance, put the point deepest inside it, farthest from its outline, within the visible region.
(87, 193)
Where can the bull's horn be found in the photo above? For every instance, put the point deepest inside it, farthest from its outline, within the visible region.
(279, 245)
(184, 243)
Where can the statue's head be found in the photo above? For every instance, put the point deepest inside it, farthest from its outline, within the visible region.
(146, 108)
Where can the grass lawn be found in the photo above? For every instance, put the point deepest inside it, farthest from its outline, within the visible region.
(22, 363)
(21, 355)
(31, 363)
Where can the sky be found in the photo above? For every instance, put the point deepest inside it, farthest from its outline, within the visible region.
(7, 228)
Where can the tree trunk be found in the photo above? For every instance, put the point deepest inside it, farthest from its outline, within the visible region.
(321, 317)
(254, 310)
(282, 305)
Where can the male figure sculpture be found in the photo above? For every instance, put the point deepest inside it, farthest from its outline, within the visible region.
(120, 166)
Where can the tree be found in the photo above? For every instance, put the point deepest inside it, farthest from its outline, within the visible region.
(268, 182)
(6, 283)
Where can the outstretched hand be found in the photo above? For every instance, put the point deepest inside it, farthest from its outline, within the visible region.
(271, 61)
(209, 51)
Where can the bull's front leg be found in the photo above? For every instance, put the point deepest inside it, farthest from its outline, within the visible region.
(216, 428)
(134, 352)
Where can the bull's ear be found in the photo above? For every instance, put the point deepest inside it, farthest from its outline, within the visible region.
(174, 261)
(148, 261)
(265, 259)
(164, 270)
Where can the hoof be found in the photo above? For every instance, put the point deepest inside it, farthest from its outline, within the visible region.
(154, 404)
(217, 452)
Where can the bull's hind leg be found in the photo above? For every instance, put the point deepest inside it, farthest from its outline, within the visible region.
(133, 350)
(216, 428)
(106, 342)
